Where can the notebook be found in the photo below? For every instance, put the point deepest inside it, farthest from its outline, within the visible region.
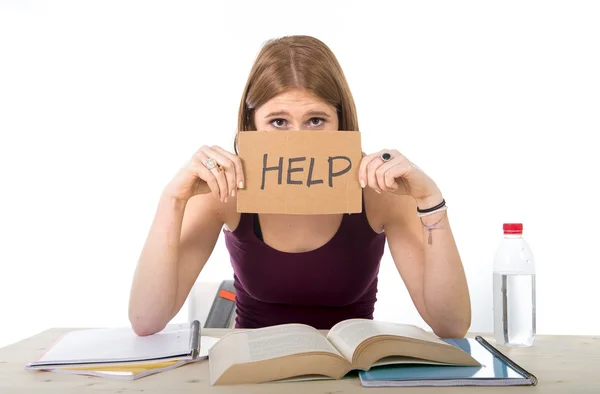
(121, 354)
(496, 370)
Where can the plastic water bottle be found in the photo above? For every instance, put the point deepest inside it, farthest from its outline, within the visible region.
(514, 289)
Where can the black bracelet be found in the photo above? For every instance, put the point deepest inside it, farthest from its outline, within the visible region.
(440, 205)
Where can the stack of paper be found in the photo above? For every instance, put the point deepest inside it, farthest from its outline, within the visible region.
(121, 354)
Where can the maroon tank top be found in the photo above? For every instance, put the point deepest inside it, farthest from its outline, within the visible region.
(320, 288)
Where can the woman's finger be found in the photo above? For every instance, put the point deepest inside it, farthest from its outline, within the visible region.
(204, 174)
(372, 167)
(198, 167)
(226, 166)
(217, 172)
(381, 174)
(237, 162)
(383, 168)
(362, 170)
(397, 167)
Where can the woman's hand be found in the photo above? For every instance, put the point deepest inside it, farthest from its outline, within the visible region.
(211, 169)
(389, 171)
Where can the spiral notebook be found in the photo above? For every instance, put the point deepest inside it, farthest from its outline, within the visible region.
(121, 354)
(496, 370)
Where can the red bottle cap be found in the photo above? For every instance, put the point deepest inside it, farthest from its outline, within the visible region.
(513, 228)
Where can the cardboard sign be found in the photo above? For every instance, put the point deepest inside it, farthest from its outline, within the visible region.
(300, 172)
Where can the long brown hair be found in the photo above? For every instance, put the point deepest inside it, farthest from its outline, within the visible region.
(296, 62)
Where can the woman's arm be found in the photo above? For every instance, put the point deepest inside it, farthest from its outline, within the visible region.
(180, 241)
(191, 212)
(433, 273)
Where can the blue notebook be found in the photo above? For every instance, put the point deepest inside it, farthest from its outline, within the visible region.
(496, 370)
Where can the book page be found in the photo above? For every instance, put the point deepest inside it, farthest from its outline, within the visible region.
(267, 343)
(347, 335)
(395, 360)
(277, 341)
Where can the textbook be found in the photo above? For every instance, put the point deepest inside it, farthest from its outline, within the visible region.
(119, 353)
(496, 369)
(300, 352)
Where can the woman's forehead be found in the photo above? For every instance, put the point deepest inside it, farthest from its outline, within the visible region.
(295, 99)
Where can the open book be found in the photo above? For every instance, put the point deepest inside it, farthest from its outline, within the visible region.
(118, 353)
(297, 350)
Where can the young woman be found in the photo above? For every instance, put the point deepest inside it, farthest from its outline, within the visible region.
(317, 269)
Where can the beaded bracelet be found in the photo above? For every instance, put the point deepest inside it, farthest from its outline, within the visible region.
(422, 215)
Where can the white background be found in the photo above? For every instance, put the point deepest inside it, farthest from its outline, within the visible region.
(102, 102)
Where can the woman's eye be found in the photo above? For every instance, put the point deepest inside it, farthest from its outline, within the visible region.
(316, 121)
(278, 122)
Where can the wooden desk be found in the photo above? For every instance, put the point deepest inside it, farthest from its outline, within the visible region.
(563, 364)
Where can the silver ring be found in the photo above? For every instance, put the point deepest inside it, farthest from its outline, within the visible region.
(386, 156)
(211, 163)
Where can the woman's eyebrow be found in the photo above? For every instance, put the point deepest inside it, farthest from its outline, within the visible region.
(278, 113)
(318, 113)
(310, 113)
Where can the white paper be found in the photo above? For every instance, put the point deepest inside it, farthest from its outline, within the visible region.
(120, 344)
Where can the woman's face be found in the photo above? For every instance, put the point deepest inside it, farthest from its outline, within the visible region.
(296, 109)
